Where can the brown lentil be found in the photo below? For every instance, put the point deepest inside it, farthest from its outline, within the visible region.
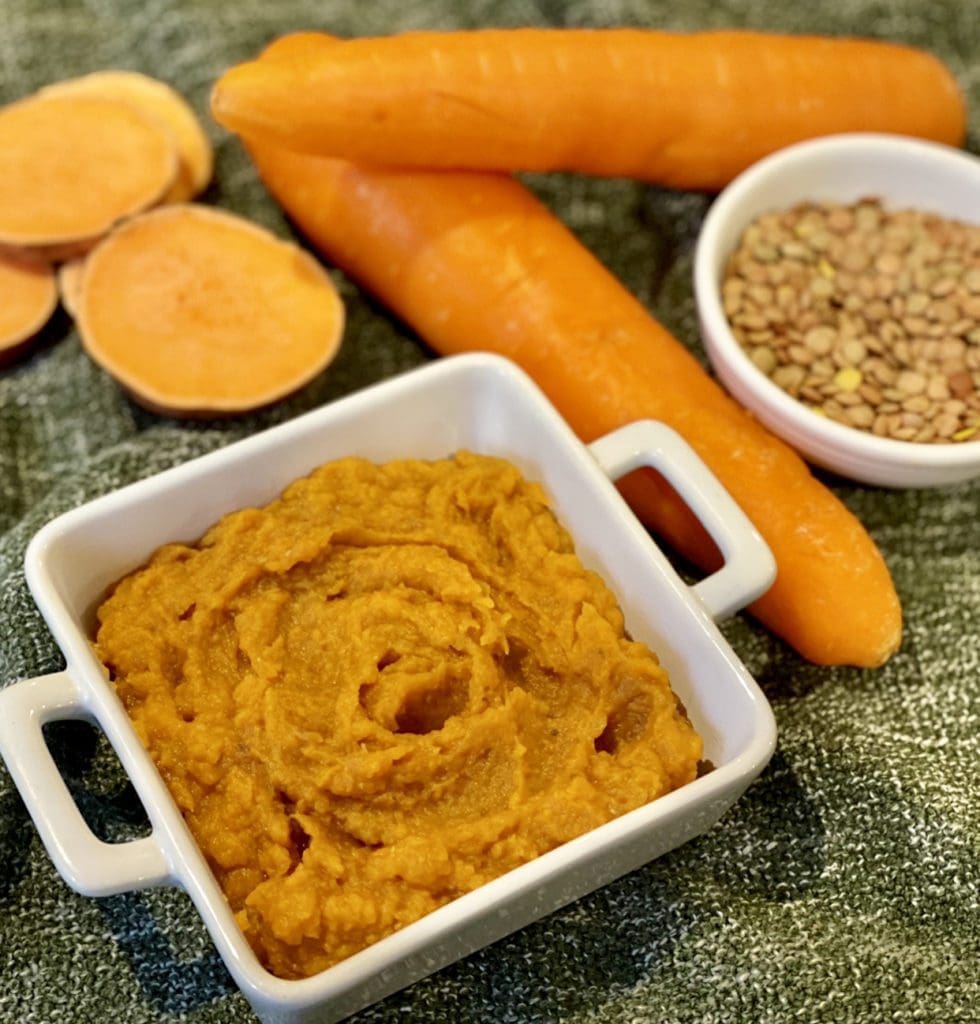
(868, 316)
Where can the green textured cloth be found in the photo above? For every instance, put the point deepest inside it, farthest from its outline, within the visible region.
(844, 886)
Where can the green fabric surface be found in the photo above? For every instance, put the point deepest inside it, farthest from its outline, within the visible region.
(844, 886)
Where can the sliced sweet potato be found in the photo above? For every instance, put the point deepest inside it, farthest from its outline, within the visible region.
(157, 100)
(28, 296)
(72, 166)
(196, 312)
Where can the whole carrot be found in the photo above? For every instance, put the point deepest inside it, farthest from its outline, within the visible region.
(687, 110)
(475, 262)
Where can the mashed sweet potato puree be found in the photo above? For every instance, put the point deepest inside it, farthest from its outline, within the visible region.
(382, 690)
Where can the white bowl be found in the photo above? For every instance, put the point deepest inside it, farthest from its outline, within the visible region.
(479, 402)
(902, 172)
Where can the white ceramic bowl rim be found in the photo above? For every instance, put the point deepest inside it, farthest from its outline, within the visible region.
(832, 435)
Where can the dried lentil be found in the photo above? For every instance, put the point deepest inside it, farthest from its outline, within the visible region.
(868, 316)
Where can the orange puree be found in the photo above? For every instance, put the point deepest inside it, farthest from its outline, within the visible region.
(382, 690)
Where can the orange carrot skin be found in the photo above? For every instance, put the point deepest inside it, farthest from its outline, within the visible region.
(475, 262)
(687, 110)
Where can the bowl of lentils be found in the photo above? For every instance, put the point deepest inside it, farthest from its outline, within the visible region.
(838, 289)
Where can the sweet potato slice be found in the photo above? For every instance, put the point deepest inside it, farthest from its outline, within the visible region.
(28, 296)
(160, 101)
(196, 312)
(72, 166)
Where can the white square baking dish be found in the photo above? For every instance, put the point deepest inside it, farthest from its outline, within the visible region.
(488, 405)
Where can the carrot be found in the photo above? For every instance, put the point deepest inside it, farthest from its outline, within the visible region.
(159, 102)
(72, 166)
(687, 110)
(196, 312)
(27, 299)
(475, 262)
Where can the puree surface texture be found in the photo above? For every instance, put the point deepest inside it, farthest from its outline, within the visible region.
(380, 691)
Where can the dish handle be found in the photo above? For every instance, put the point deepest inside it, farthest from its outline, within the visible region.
(749, 567)
(89, 865)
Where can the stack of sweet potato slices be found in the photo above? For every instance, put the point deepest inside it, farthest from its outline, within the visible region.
(194, 311)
